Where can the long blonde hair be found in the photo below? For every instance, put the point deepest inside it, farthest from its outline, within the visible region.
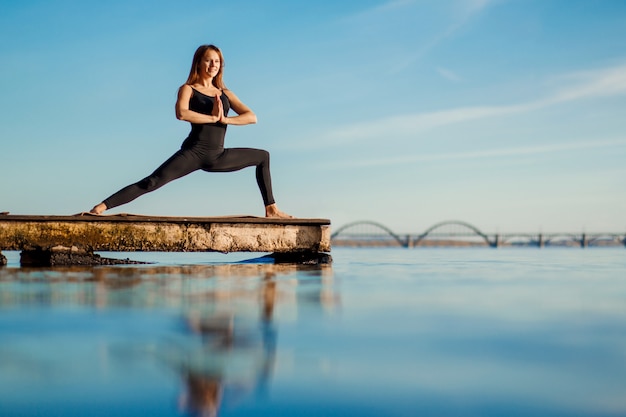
(194, 72)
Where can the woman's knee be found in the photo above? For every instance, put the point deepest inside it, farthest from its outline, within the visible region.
(149, 183)
(265, 156)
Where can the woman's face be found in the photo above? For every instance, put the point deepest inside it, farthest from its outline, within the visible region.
(210, 63)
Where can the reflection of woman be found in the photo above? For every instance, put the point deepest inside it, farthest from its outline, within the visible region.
(203, 395)
(204, 101)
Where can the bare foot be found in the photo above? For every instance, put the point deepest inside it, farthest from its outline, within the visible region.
(98, 209)
(272, 211)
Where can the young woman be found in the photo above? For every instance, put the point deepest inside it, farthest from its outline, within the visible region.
(204, 101)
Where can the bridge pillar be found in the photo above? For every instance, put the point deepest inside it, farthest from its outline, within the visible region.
(496, 241)
(540, 241)
(409, 241)
(583, 241)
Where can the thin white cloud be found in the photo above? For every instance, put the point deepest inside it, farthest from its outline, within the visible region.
(458, 15)
(602, 82)
(376, 11)
(474, 6)
(448, 74)
(592, 84)
(489, 153)
(465, 11)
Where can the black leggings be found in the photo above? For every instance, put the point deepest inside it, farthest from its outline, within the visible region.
(186, 161)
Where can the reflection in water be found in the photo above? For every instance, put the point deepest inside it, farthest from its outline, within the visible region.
(211, 368)
(430, 332)
(227, 340)
(187, 286)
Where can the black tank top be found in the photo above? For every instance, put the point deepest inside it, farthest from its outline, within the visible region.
(209, 136)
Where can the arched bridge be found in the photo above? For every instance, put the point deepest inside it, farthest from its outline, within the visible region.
(367, 230)
(453, 228)
(459, 233)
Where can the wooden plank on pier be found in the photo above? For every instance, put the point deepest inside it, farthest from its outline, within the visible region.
(128, 232)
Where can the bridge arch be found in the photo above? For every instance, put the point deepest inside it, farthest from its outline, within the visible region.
(466, 225)
(563, 238)
(519, 238)
(608, 237)
(380, 226)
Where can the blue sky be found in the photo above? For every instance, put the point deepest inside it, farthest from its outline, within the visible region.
(507, 114)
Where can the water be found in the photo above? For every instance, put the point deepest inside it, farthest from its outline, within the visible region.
(381, 332)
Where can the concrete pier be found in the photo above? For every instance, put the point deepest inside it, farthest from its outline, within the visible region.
(129, 233)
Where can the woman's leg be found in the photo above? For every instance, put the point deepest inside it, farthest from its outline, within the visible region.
(178, 165)
(234, 159)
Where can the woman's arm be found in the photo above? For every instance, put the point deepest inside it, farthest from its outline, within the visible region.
(245, 116)
(183, 112)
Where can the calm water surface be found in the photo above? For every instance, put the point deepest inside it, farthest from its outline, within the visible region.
(381, 332)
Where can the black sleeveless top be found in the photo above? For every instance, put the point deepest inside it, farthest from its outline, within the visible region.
(206, 136)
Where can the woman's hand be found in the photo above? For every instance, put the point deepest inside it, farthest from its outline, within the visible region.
(224, 119)
(218, 109)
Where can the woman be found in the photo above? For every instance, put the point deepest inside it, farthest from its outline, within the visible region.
(204, 101)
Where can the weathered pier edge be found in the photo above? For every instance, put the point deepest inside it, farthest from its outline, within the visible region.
(72, 240)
